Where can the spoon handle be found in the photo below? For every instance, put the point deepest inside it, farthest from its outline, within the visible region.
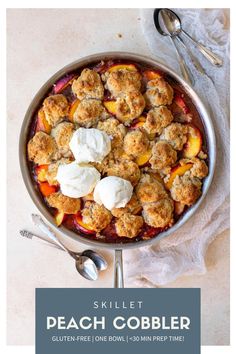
(38, 221)
(118, 270)
(183, 67)
(194, 60)
(212, 57)
(42, 240)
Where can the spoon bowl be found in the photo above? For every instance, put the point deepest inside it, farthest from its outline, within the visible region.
(165, 27)
(86, 268)
(173, 27)
(166, 23)
(99, 261)
(87, 265)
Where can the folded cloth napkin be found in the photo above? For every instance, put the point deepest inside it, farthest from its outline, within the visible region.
(184, 251)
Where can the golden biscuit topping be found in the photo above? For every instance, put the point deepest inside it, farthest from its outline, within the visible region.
(132, 207)
(128, 225)
(130, 106)
(157, 119)
(56, 108)
(156, 144)
(63, 203)
(42, 149)
(62, 134)
(88, 85)
(159, 214)
(199, 169)
(176, 135)
(159, 92)
(88, 112)
(113, 128)
(96, 216)
(123, 81)
(186, 189)
(163, 155)
(150, 190)
(128, 170)
(136, 142)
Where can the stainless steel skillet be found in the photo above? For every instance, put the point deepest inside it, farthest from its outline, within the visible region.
(33, 192)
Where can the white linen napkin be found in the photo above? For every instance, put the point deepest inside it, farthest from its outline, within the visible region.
(183, 252)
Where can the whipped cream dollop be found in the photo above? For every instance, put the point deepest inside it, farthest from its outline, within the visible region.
(90, 145)
(77, 180)
(113, 192)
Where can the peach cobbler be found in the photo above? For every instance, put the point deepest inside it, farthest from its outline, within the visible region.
(117, 151)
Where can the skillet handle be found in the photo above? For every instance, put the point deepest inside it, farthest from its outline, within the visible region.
(118, 270)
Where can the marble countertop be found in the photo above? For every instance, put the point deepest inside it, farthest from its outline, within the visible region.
(40, 42)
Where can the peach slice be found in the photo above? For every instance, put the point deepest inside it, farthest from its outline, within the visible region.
(138, 123)
(110, 106)
(151, 75)
(142, 159)
(41, 173)
(178, 170)
(179, 101)
(129, 67)
(82, 226)
(59, 217)
(194, 143)
(73, 108)
(46, 189)
(63, 83)
(178, 207)
(42, 123)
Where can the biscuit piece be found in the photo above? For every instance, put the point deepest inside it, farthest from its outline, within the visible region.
(56, 108)
(129, 106)
(132, 207)
(150, 190)
(63, 203)
(136, 143)
(163, 155)
(185, 189)
(113, 128)
(115, 155)
(119, 154)
(62, 134)
(128, 170)
(96, 216)
(159, 214)
(199, 169)
(176, 135)
(122, 81)
(159, 92)
(157, 119)
(128, 225)
(42, 149)
(88, 85)
(88, 112)
(202, 155)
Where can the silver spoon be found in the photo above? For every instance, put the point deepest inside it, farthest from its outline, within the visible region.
(99, 261)
(177, 28)
(171, 31)
(84, 265)
(183, 67)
